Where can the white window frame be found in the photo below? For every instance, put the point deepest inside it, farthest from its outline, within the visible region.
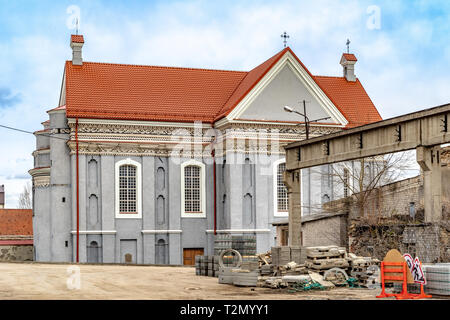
(202, 213)
(138, 215)
(277, 213)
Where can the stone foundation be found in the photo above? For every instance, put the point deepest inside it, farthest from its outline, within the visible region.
(16, 253)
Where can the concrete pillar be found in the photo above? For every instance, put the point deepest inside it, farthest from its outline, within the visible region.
(292, 181)
(429, 160)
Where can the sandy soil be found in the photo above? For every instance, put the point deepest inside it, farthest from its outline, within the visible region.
(50, 281)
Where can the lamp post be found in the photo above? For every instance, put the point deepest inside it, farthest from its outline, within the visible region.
(307, 121)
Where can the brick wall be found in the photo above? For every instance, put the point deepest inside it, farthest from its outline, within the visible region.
(326, 231)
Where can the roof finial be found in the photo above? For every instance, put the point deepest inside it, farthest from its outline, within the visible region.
(285, 37)
(348, 45)
(76, 22)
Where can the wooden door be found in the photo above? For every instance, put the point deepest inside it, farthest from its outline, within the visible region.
(189, 255)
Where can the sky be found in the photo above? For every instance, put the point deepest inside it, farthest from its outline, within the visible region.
(403, 51)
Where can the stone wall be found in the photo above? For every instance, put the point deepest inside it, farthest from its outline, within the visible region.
(429, 242)
(16, 253)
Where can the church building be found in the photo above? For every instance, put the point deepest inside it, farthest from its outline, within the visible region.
(148, 164)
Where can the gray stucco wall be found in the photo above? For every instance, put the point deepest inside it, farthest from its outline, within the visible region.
(245, 205)
(285, 89)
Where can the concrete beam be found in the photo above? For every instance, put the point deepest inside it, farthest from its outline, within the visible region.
(424, 128)
(292, 181)
(429, 159)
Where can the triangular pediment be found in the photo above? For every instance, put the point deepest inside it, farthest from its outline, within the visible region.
(286, 83)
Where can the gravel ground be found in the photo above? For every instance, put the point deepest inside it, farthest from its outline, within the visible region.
(55, 281)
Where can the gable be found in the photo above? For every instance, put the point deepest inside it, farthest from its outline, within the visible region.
(289, 76)
(284, 89)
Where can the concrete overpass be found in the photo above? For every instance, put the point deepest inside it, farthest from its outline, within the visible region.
(423, 131)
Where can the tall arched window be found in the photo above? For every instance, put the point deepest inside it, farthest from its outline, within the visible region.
(193, 200)
(281, 207)
(128, 189)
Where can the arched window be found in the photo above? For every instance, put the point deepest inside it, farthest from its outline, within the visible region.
(128, 189)
(281, 207)
(193, 200)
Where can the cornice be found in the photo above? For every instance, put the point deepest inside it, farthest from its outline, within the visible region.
(137, 140)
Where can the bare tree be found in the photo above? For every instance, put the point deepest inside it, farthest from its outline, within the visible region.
(357, 183)
(25, 197)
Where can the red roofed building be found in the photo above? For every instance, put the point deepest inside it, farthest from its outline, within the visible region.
(124, 171)
(16, 235)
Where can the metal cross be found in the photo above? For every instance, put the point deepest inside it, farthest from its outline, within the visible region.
(76, 26)
(285, 37)
(348, 45)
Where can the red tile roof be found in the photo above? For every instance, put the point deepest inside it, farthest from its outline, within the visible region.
(16, 222)
(151, 93)
(131, 92)
(350, 98)
(248, 82)
(76, 38)
(349, 57)
(57, 108)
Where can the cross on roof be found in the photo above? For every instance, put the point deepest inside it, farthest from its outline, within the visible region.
(285, 37)
(348, 45)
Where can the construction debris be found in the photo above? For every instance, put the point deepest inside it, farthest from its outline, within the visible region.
(324, 258)
(308, 268)
(365, 270)
(320, 279)
(337, 276)
(296, 268)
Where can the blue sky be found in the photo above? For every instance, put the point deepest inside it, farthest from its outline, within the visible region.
(403, 65)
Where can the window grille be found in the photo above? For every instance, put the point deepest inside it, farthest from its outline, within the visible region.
(127, 189)
(192, 189)
(282, 195)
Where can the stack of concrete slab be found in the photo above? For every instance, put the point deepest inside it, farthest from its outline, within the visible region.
(365, 270)
(207, 266)
(198, 265)
(250, 264)
(298, 254)
(266, 269)
(285, 254)
(438, 278)
(245, 278)
(245, 244)
(238, 277)
(326, 257)
(225, 275)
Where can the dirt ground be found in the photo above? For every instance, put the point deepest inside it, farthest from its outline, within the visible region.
(56, 281)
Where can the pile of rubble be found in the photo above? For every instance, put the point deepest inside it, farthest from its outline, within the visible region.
(298, 268)
(364, 269)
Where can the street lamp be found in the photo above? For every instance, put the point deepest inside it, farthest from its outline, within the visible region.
(307, 121)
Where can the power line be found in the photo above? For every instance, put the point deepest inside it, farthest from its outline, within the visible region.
(24, 131)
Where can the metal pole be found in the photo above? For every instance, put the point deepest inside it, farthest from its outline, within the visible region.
(78, 193)
(306, 121)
